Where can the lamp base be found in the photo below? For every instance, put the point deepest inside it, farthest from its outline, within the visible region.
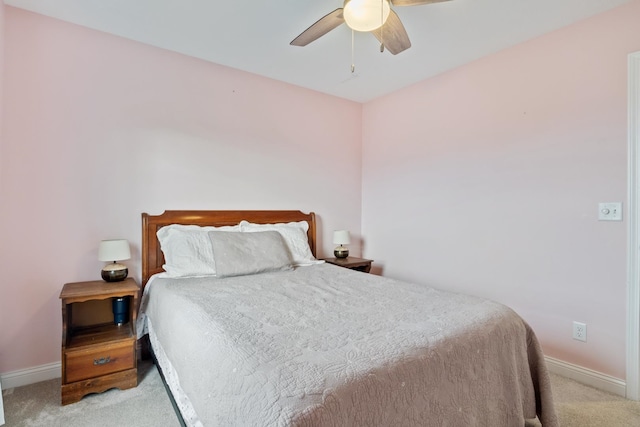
(114, 272)
(341, 252)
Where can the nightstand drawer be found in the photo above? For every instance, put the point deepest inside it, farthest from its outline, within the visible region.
(91, 363)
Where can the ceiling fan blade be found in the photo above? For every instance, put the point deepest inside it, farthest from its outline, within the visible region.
(393, 35)
(320, 28)
(415, 2)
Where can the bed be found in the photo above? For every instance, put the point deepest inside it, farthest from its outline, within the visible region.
(265, 343)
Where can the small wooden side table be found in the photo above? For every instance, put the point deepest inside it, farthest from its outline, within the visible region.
(353, 263)
(96, 354)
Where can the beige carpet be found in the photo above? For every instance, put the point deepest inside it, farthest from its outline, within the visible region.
(38, 405)
(578, 405)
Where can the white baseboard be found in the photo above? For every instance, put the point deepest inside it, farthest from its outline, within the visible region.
(587, 376)
(30, 375)
(578, 373)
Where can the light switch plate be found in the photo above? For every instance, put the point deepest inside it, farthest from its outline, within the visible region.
(610, 211)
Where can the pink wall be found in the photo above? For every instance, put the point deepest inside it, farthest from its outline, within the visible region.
(4, 320)
(486, 180)
(99, 129)
(1, 86)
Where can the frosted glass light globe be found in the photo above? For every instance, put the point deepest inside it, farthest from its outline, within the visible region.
(366, 15)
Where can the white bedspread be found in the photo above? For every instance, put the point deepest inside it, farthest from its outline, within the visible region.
(326, 346)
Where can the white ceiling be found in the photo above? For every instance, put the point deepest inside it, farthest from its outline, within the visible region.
(254, 35)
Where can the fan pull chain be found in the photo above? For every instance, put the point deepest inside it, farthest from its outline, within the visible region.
(353, 52)
(382, 26)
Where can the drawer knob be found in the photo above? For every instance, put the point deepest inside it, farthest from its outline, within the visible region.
(102, 360)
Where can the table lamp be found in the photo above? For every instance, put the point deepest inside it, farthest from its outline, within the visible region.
(114, 250)
(340, 238)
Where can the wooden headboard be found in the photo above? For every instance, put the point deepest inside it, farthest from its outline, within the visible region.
(152, 257)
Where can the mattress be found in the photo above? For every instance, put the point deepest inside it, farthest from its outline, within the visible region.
(326, 346)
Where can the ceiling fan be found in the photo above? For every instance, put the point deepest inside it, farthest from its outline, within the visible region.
(375, 16)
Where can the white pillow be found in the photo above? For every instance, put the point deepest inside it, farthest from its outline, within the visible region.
(240, 254)
(294, 235)
(187, 249)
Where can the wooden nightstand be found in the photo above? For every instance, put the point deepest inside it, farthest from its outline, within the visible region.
(353, 263)
(97, 354)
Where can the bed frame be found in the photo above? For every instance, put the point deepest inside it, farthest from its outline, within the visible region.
(152, 257)
(152, 261)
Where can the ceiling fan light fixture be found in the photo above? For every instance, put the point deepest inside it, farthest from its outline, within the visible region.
(366, 15)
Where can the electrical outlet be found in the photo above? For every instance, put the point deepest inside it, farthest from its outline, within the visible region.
(579, 331)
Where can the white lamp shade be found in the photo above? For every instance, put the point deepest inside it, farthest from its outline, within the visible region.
(114, 250)
(341, 237)
(366, 15)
